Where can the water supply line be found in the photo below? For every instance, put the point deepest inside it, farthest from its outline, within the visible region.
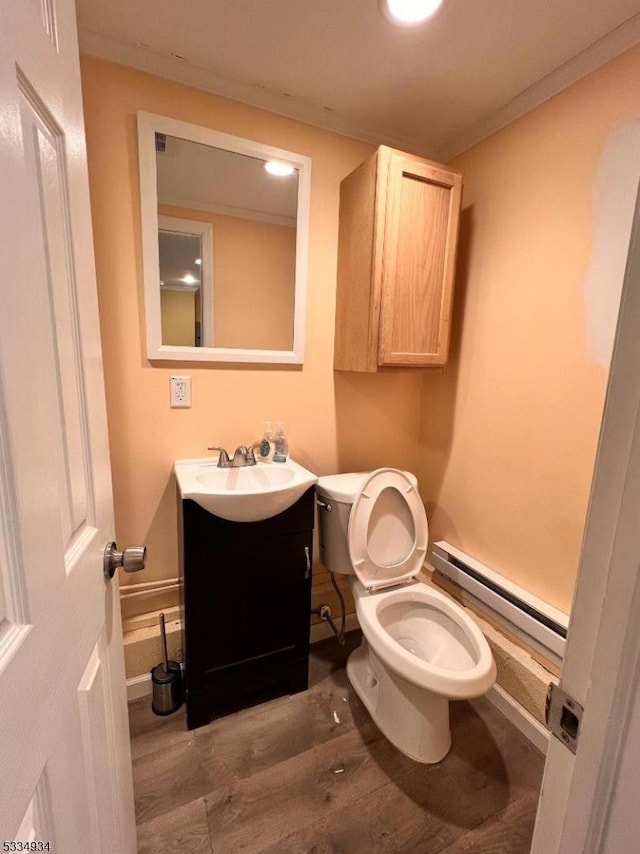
(343, 614)
(324, 612)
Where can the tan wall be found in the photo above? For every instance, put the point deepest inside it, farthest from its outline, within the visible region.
(509, 432)
(254, 277)
(505, 439)
(178, 317)
(334, 422)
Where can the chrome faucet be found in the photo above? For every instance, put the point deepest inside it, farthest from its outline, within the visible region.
(223, 457)
(242, 456)
(250, 455)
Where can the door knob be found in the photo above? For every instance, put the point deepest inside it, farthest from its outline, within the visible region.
(132, 559)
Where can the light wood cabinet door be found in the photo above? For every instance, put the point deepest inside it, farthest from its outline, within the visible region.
(399, 219)
(421, 227)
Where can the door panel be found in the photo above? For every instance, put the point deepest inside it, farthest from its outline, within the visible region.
(64, 751)
(46, 161)
(37, 823)
(13, 600)
(98, 746)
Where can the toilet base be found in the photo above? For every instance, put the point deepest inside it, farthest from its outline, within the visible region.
(415, 720)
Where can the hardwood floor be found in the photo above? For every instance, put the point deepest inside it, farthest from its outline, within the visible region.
(311, 773)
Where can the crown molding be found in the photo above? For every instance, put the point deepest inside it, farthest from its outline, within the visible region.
(228, 210)
(605, 49)
(626, 36)
(182, 71)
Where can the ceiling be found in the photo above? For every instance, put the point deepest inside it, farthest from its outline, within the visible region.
(200, 177)
(435, 89)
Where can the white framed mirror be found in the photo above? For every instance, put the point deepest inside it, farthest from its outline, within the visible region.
(225, 230)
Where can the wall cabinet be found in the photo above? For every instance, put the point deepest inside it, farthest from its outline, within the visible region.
(246, 603)
(396, 260)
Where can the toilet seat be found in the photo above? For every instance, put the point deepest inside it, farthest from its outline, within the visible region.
(388, 531)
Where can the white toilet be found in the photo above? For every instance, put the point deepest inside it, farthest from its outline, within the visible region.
(419, 649)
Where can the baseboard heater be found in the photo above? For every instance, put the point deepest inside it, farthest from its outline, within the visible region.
(541, 623)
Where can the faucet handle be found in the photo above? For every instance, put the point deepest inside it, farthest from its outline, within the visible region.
(223, 457)
(251, 457)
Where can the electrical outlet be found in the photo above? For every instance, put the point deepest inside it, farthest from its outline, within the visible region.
(180, 392)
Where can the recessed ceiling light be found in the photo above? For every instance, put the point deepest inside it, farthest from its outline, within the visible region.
(189, 279)
(275, 167)
(198, 261)
(409, 13)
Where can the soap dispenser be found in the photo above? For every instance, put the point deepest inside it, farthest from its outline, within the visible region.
(267, 443)
(281, 445)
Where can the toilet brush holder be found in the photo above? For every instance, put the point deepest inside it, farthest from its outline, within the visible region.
(166, 680)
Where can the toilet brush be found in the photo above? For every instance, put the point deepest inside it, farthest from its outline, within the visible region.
(166, 679)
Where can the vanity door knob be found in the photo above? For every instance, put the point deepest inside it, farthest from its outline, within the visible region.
(132, 559)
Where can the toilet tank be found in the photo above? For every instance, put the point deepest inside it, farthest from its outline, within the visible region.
(338, 491)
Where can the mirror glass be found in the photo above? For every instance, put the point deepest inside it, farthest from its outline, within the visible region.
(225, 225)
(181, 282)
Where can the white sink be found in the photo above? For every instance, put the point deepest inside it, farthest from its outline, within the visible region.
(245, 494)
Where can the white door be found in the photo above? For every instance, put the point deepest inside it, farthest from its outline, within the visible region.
(590, 802)
(65, 774)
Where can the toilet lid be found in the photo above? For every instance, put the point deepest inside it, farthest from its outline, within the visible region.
(388, 531)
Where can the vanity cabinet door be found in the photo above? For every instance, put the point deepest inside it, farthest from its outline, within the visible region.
(250, 605)
(399, 218)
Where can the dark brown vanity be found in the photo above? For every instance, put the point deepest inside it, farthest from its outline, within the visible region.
(245, 591)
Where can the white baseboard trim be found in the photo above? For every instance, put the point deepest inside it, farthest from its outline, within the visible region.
(531, 728)
(138, 686)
